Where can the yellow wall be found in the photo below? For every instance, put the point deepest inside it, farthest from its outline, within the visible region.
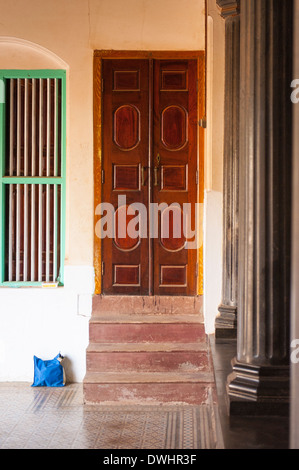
(65, 32)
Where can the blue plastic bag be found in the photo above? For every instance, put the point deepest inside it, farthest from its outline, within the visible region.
(48, 373)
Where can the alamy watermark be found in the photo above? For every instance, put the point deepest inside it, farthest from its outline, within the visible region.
(295, 93)
(137, 221)
(295, 351)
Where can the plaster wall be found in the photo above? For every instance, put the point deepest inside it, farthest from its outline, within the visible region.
(213, 219)
(64, 34)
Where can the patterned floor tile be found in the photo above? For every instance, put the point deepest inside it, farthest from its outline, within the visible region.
(55, 418)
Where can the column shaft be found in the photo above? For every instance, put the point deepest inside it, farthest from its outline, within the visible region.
(260, 377)
(226, 322)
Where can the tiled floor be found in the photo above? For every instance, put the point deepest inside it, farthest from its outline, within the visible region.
(55, 418)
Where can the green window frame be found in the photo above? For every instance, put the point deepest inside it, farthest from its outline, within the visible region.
(32, 199)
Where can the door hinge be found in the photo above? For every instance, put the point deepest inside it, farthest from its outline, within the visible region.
(196, 177)
(103, 268)
(203, 122)
(103, 176)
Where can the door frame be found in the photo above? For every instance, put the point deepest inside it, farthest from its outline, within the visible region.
(99, 55)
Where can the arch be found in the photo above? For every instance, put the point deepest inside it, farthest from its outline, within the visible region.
(27, 54)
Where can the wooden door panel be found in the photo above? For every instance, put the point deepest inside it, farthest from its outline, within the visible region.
(126, 177)
(174, 177)
(149, 136)
(126, 127)
(171, 276)
(174, 127)
(175, 166)
(125, 154)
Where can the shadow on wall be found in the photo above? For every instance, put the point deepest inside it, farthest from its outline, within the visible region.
(68, 370)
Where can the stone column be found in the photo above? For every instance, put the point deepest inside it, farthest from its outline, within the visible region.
(294, 411)
(259, 382)
(226, 321)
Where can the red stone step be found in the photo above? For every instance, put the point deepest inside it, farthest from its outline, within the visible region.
(147, 350)
(149, 328)
(143, 305)
(143, 357)
(147, 388)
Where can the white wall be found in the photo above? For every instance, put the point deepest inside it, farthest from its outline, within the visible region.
(63, 34)
(44, 322)
(213, 219)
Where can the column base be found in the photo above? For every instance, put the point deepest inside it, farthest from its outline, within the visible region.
(258, 390)
(226, 323)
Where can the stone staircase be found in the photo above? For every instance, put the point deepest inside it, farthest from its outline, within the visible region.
(147, 350)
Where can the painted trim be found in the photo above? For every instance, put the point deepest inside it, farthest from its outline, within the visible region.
(39, 73)
(63, 187)
(32, 180)
(97, 136)
(58, 181)
(112, 54)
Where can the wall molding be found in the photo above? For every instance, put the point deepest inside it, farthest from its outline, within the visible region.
(11, 41)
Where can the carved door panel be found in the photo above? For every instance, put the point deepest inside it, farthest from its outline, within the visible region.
(149, 158)
(125, 159)
(175, 175)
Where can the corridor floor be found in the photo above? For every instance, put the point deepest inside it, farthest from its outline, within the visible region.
(55, 418)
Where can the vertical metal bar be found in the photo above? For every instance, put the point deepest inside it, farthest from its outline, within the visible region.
(26, 128)
(55, 186)
(55, 227)
(40, 188)
(55, 126)
(48, 186)
(25, 251)
(33, 157)
(11, 147)
(2, 173)
(62, 199)
(18, 215)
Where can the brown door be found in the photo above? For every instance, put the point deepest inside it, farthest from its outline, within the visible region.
(150, 158)
(125, 159)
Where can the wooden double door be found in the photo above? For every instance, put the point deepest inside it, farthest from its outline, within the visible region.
(150, 175)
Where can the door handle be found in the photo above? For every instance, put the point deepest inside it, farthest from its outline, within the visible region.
(156, 168)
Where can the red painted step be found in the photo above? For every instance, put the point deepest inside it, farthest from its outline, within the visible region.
(143, 305)
(143, 357)
(135, 328)
(147, 389)
(147, 350)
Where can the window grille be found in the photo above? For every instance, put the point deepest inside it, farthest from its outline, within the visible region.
(32, 181)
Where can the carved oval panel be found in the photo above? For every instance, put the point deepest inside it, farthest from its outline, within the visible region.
(126, 127)
(125, 237)
(172, 229)
(174, 132)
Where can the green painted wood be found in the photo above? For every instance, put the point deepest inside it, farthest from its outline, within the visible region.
(59, 180)
(32, 180)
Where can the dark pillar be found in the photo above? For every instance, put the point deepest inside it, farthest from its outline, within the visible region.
(226, 321)
(294, 414)
(259, 382)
